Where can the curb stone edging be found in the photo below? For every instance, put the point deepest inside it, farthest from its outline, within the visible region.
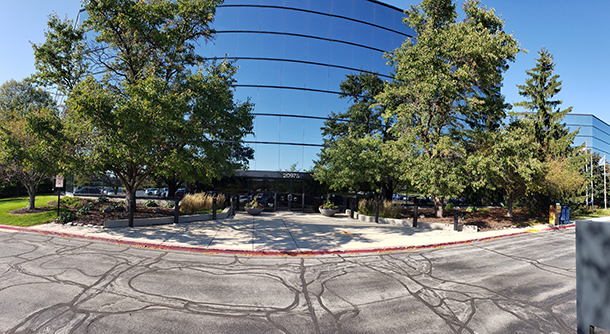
(409, 223)
(164, 220)
(270, 252)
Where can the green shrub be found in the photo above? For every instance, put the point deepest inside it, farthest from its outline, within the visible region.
(85, 209)
(329, 205)
(449, 206)
(101, 199)
(151, 204)
(65, 217)
(111, 207)
(471, 209)
(484, 211)
(169, 205)
(71, 202)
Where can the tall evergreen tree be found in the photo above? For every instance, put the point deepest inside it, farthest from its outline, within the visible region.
(563, 181)
(544, 110)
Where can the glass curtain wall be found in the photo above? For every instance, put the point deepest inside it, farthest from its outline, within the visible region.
(293, 54)
(593, 131)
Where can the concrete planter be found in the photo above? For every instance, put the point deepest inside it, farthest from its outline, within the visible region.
(328, 212)
(254, 211)
(420, 224)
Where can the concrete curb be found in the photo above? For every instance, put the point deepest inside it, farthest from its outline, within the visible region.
(164, 220)
(409, 223)
(271, 252)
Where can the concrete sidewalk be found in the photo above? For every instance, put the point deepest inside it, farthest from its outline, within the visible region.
(282, 233)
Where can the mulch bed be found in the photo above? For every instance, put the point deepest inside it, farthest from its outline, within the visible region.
(494, 220)
(97, 217)
(26, 210)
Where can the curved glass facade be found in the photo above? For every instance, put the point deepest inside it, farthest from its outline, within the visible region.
(293, 54)
(593, 131)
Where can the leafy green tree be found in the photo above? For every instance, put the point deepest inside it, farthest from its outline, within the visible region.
(540, 89)
(363, 118)
(60, 61)
(25, 156)
(445, 90)
(510, 162)
(354, 155)
(354, 163)
(158, 109)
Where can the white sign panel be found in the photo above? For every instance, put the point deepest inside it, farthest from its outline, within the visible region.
(59, 181)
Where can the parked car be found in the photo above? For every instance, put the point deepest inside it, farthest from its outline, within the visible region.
(163, 192)
(88, 190)
(266, 198)
(151, 192)
(245, 198)
(180, 193)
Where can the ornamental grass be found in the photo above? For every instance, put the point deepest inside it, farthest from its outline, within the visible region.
(201, 203)
(387, 209)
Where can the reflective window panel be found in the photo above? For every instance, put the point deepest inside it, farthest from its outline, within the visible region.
(293, 56)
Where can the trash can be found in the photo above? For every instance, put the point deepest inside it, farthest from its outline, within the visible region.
(552, 212)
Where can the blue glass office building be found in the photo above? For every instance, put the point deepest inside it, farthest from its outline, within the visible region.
(593, 131)
(293, 55)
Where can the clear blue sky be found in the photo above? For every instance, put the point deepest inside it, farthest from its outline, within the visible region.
(577, 33)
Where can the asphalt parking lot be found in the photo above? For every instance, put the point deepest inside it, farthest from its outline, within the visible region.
(518, 284)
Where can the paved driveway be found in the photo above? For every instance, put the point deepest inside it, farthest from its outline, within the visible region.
(520, 284)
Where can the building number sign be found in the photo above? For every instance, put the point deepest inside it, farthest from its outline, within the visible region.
(291, 176)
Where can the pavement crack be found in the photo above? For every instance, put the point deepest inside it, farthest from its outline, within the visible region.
(310, 307)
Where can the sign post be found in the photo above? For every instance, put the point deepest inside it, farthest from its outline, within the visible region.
(59, 183)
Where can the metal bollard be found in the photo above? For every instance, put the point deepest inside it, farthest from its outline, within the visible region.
(415, 207)
(214, 208)
(456, 218)
(377, 211)
(231, 208)
(176, 211)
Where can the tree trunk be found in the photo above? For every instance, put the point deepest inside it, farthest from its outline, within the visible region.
(509, 204)
(389, 191)
(32, 189)
(438, 206)
(130, 201)
(172, 186)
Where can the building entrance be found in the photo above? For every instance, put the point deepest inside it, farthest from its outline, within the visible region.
(283, 191)
(290, 195)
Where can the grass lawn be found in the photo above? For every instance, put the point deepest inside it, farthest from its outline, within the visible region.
(30, 219)
(588, 214)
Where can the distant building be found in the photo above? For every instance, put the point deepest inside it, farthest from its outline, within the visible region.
(593, 131)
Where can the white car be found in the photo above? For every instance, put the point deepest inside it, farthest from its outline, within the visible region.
(152, 192)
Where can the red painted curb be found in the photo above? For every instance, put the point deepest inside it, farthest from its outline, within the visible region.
(268, 252)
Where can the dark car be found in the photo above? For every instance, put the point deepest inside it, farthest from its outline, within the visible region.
(180, 193)
(88, 190)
